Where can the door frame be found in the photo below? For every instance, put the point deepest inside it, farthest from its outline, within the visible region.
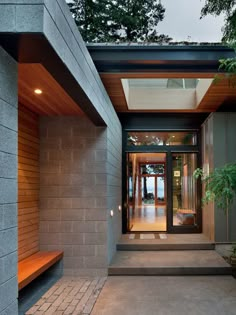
(169, 186)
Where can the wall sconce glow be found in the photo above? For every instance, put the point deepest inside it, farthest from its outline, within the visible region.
(38, 91)
(111, 213)
(119, 207)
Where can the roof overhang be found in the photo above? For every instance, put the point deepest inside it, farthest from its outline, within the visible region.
(43, 32)
(156, 58)
(119, 64)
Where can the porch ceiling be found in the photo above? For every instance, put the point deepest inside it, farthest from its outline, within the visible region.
(53, 100)
(216, 95)
(117, 62)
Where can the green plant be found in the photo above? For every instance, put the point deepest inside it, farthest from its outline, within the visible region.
(220, 187)
(233, 250)
(228, 66)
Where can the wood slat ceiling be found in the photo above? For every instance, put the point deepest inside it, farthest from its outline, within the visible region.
(216, 95)
(53, 101)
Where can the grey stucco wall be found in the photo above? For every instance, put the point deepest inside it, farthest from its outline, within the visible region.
(8, 184)
(79, 184)
(219, 137)
(224, 131)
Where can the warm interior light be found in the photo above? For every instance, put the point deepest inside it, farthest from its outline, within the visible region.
(38, 91)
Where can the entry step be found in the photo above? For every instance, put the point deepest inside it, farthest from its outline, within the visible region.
(191, 262)
(133, 242)
(163, 247)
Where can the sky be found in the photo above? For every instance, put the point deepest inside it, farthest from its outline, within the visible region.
(182, 22)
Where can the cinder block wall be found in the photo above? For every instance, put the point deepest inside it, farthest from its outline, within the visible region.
(79, 183)
(219, 148)
(8, 184)
(114, 175)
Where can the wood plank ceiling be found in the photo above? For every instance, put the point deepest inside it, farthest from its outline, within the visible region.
(53, 100)
(217, 94)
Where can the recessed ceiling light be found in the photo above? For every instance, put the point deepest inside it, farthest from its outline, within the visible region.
(38, 91)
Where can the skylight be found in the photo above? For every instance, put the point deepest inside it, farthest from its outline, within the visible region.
(165, 93)
(177, 83)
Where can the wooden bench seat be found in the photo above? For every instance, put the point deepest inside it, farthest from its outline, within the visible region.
(32, 266)
(186, 216)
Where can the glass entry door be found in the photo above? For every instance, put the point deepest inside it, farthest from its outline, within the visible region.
(161, 194)
(147, 192)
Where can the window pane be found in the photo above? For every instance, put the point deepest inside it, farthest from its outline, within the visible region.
(152, 169)
(161, 138)
(184, 188)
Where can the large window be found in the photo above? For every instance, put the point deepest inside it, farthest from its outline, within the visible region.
(161, 138)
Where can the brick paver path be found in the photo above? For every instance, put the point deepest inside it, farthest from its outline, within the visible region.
(70, 295)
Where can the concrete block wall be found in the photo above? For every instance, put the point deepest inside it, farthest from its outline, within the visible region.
(79, 183)
(62, 33)
(114, 176)
(219, 148)
(8, 184)
(53, 19)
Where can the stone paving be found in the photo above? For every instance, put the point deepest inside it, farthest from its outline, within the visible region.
(70, 295)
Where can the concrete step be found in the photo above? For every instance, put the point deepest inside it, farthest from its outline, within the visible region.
(170, 242)
(191, 262)
(163, 246)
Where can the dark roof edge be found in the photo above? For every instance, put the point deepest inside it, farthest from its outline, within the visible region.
(207, 46)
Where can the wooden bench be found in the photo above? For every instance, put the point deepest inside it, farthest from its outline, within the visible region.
(186, 216)
(34, 265)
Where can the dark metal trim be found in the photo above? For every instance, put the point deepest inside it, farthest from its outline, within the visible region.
(149, 58)
(124, 185)
(162, 121)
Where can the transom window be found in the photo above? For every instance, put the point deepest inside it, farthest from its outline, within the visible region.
(161, 138)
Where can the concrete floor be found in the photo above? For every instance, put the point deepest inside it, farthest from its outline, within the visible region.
(171, 239)
(158, 295)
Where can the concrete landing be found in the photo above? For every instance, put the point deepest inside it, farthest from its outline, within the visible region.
(191, 262)
(201, 295)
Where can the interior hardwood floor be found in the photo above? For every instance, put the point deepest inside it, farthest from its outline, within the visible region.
(149, 218)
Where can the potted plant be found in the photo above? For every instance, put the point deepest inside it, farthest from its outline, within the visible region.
(220, 187)
(233, 255)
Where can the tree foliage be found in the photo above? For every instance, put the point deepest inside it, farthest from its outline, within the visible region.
(118, 20)
(227, 7)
